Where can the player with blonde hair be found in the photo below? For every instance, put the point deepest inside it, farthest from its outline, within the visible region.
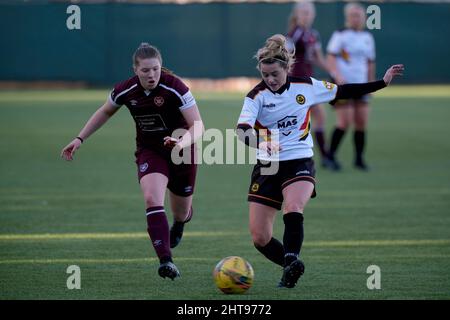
(351, 59)
(275, 119)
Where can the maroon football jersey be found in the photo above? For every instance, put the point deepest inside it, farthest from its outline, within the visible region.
(306, 42)
(157, 113)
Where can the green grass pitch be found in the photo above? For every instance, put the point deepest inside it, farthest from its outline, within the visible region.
(90, 212)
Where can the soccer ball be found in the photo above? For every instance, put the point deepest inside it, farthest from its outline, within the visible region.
(233, 275)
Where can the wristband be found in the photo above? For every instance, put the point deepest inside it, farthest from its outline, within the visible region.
(80, 139)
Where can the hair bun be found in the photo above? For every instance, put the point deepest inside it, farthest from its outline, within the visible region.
(275, 50)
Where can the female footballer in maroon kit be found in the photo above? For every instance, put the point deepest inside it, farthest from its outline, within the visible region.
(308, 52)
(159, 103)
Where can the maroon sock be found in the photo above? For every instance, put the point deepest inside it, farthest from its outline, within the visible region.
(158, 230)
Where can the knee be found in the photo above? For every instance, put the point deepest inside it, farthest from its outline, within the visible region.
(360, 122)
(343, 124)
(319, 126)
(181, 211)
(360, 125)
(259, 238)
(319, 118)
(151, 200)
(297, 206)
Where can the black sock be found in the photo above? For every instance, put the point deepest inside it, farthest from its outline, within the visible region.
(293, 236)
(336, 138)
(359, 140)
(320, 139)
(177, 225)
(273, 250)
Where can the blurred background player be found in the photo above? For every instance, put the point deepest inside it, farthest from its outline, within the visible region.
(308, 52)
(280, 104)
(351, 58)
(159, 103)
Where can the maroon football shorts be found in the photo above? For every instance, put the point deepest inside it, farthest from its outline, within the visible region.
(181, 177)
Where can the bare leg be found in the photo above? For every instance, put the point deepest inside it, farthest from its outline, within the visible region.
(182, 213)
(261, 219)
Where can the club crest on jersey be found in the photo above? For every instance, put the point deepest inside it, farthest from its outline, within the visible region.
(143, 167)
(133, 102)
(328, 85)
(287, 124)
(300, 99)
(159, 101)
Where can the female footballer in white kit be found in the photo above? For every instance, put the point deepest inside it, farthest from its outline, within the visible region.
(275, 119)
(351, 59)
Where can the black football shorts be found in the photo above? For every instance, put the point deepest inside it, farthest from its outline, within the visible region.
(267, 189)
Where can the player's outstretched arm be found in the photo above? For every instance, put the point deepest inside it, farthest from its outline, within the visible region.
(355, 90)
(97, 120)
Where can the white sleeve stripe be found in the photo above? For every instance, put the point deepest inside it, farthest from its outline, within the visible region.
(125, 91)
(174, 91)
(187, 106)
(297, 35)
(112, 102)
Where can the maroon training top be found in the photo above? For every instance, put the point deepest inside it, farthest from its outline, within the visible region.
(157, 113)
(306, 42)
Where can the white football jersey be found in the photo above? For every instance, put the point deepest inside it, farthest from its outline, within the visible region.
(285, 115)
(353, 50)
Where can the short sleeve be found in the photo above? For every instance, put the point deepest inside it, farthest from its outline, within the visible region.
(249, 112)
(115, 97)
(290, 45)
(182, 91)
(187, 100)
(324, 91)
(334, 45)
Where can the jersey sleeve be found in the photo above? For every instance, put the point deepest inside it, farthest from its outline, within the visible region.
(324, 91)
(334, 45)
(249, 112)
(290, 45)
(187, 100)
(116, 96)
(182, 91)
